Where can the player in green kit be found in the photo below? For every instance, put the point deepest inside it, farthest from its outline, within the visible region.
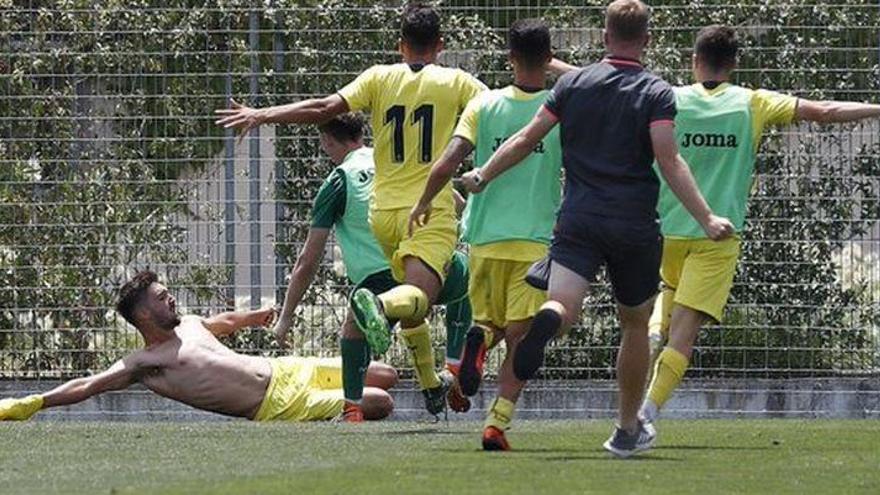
(718, 128)
(343, 203)
(509, 226)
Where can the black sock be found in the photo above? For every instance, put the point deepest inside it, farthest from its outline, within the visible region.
(546, 324)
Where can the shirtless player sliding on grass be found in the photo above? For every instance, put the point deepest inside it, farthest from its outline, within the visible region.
(184, 361)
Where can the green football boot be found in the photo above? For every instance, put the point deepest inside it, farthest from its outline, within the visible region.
(370, 318)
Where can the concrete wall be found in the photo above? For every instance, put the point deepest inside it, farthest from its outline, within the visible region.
(796, 398)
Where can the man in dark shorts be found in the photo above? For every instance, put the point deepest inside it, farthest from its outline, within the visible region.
(615, 118)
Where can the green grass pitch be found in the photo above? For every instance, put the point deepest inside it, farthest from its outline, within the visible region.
(738, 456)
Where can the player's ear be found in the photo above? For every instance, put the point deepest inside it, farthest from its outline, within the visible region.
(401, 47)
(440, 45)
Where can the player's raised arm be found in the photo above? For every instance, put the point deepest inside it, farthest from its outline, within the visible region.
(119, 376)
(559, 67)
(835, 111)
(680, 180)
(511, 152)
(301, 279)
(312, 111)
(232, 321)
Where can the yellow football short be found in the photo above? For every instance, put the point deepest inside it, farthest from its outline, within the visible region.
(303, 389)
(697, 273)
(499, 292)
(433, 243)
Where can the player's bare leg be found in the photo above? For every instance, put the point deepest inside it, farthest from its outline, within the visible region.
(672, 361)
(381, 375)
(562, 310)
(631, 435)
(509, 388)
(416, 335)
(377, 404)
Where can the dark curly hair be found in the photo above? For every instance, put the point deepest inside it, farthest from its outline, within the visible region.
(529, 42)
(717, 46)
(131, 294)
(420, 25)
(346, 127)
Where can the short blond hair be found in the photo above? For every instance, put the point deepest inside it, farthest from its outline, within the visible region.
(627, 20)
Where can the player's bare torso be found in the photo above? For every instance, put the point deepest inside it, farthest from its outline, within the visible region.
(193, 367)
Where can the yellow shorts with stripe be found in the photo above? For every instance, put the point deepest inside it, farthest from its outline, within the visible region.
(303, 389)
(698, 274)
(499, 293)
(432, 243)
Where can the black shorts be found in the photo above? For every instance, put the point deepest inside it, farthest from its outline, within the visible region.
(629, 248)
(378, 282)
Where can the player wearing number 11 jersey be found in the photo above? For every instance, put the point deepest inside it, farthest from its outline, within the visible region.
(413, 106)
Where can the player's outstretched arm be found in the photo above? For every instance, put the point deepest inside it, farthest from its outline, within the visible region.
(119, 376)
(313, 111)
(835, 111)
(677, 174)
(513, 151)
(558, 67)
(301, 278)
(441, 173)
(232, 321)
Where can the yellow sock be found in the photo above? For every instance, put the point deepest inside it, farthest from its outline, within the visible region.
(668, 372)
(488, 336)
(418, 340)
(500, 414)
(405, 302)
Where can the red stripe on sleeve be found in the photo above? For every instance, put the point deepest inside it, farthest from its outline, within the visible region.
(662, 122)
(549, 112)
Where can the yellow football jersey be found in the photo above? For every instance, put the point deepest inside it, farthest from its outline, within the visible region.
(413, 115)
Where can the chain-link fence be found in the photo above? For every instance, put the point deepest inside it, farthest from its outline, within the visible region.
(110, 162)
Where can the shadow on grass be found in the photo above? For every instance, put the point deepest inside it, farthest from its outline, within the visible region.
(707, 447)
(559, 455)
(604, 456)
(418, 431)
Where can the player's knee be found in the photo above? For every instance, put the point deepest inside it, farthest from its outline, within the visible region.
(636, 318)
(382, 376)
(377, 404)
(419, 274)
(567, 318)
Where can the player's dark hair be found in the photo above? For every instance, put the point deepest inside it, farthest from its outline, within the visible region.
(420, 25)
(132, 293)
(529, 42)
(627, 20)
(717, 46)
(345, 127)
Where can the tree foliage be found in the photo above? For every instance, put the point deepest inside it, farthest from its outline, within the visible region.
(105, 114)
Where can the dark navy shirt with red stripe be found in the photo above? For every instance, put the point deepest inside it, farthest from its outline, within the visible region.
(605, 112)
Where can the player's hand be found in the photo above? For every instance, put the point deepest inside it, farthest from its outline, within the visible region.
(473, 182)
(418, 217)
(240, 117)
(20, 409)
(718, 228)
(264, 317)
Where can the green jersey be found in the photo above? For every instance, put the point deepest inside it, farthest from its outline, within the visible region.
(344, 202)
(521, 204)
(718, 133)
